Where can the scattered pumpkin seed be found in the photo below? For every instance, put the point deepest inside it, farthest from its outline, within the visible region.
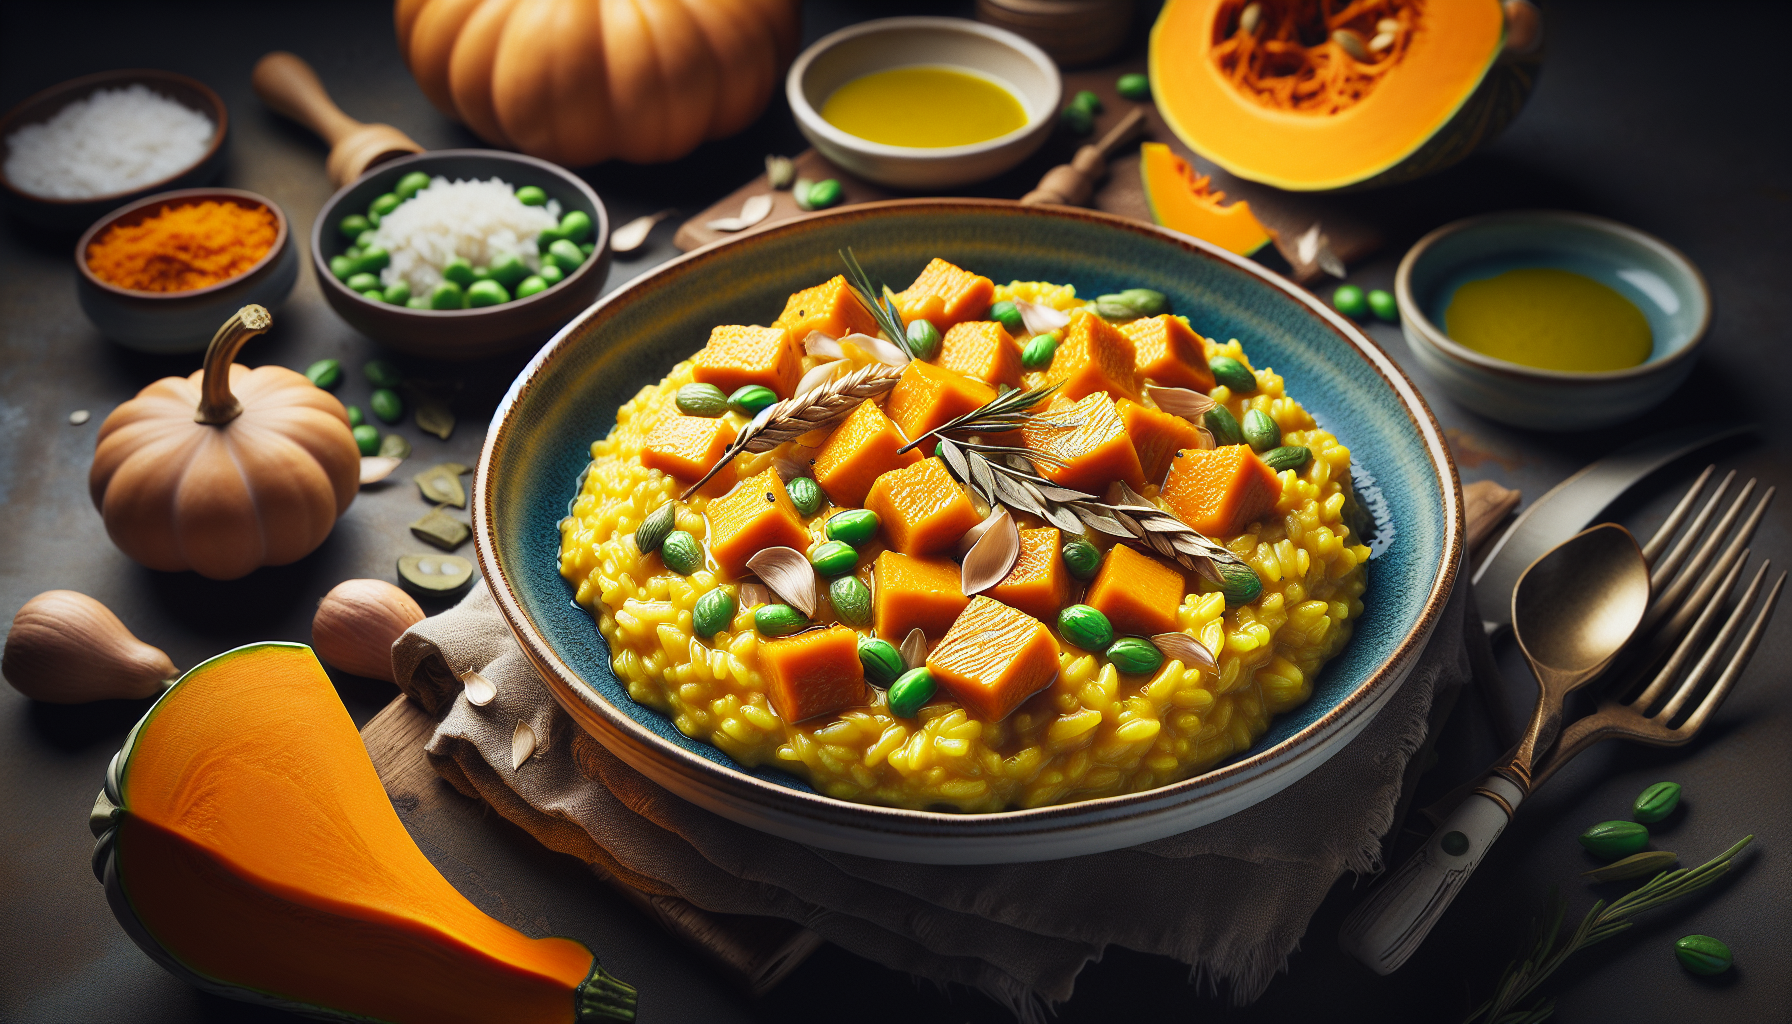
(1287, 457)
(923, 339)
(799, 191)
(442, 530)
(382, 374)
(1384, 307)
(780, 171)
(1240, 583)
(1636, 865)
(1134, 86)
(1349, 300)
(441, 485)
(1038, 353)
(1233, 374)
(911, 692)
(387, 405)
(1008, 315)
(653, 530)
(1223, 426)
(1131, 304)
(854, 526)
(78, 417)
(1133, 655)
(434, 574)
(1656, 802)
(1352, 44)
(1614, 839)
(805, 494)
(433, 415)
(852, 600)
(701, 400)
(750, 400)
(712, 613)
(394, 446)
(1086, 627)
(882, 661)
(681, 553)
(834, 558)
(1081, 558)
(1260, 431)
(778, 620)
(1702, 954)
(325, 373)
(367, 439)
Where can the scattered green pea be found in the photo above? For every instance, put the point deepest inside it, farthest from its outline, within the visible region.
(911, 692)
(1233, 374)
(1131, 303)
(1134, 86)
(1656, 802)
(1349, 300)
(1134, 655)
(508, 270)
(342, 267)
(575, 226)
(382, 205)
(701, 400)
(854, 526)
(447, 295)
(355, 418)
(486, 293)
(882, 662)
(373, 295)
(551, 273)
(1614, 839)
(1702, 954)
(681, 552)
(923, 339)
(1287, 457)
(459, 271)
(805, 494)
(825, 193)
(712, 613)
(1384, 307)
(834, 558)
(387, 405)
(1076, 120)
(1008, 315)
(531, 195)
(566, 254)
(398, 293)
(325, 373)
(410, 185)
(382, 373)
(852, 600)
(362, 282)
(778, 619)
(1086, 627)
(1260, 431)
(751, 399)
(1223, 426)
(1081, 558)
(1039, 350)
(352, 225)
(367, 439)
(1088, 101)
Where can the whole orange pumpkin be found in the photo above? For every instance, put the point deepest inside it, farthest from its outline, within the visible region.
(579, 81)
(227, 470)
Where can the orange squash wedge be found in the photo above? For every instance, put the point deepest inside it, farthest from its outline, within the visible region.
(813, 673)
(755, 515)
(924, 511)
(1138, 593)
(993, 658)
(246, 844)
(916, 593)
(1222, 490)
(861, 449)
(1181, 200)
(737, 356)
(830, 307)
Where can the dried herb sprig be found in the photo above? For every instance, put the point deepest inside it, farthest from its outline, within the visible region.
(1006, 412)
(794, 417)
(1601, 923)
(879, 302)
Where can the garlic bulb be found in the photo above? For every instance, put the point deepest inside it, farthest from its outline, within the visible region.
(67, 648)
(357, 623)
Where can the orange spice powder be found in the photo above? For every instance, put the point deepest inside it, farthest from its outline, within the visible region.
(184, 247)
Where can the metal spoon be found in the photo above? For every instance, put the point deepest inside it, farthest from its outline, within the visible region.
(629, 237)
(1573, 610)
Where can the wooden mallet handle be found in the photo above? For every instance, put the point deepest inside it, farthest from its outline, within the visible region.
(288, 86)
(1073, 183)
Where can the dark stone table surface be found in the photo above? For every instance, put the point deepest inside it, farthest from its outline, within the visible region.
(1627, 122)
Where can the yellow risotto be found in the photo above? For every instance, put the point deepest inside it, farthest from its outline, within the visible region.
(1091, 732)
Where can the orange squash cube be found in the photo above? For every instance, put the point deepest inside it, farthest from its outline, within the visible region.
(1039, 583)
(1167, 352)
(813, 673)
(685, 447)
(927, 396)
(1221, 491)
(1094, 453)
(757, 514)
(945, 295)
(1093, 356)
(1157, 436)
(861, 449)
(915, 593)
(737, 356)
(993, 658)
(831, 307)
(1138, 593)
(924, 510)
(982, 349)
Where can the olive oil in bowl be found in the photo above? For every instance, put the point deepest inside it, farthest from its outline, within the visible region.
(925, 107)
(1551, 319)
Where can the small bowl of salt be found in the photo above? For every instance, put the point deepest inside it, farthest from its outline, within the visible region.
(77, 151)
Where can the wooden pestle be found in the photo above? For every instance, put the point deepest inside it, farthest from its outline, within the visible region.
(1073, 183)
(288, 85)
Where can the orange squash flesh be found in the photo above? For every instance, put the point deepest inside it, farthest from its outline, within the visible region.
(1167, 352)
(685, 447)
(1094, 454)
(1222, 491)
(924, 510)
(1181, 200)
(945, 295)
(1138, 593)
(928, 395)
(831, 307)
(982, 349)
(1157, 436)
(993, 658)
(1039, 583)
(861, 449)
(256, 847)
(737, 356)
(915, 593)
(757, 514)
(1094, 356)
(813, 673)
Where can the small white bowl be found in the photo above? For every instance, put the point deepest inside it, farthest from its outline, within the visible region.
(889, 43)
(1654, 275)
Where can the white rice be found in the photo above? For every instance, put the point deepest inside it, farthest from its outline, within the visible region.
(476, 220)
(114, 140)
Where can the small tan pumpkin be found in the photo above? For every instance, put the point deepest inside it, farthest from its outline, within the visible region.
(579, 81)
(256, 476)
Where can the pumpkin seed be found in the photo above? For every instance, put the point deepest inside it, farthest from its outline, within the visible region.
(434, 574)
(1131, 304)
(805, 494)
(367, 439)
(653, 530)
(1223, 426)
(923, 339)
(1287, 457)
(1352, 44)
(701, 400)
(1614, 839)
(749, 400)
(1240, 583)
(834, 558)
(382, 374)
(712, 613)
(1232, 373)
(387, 405)
(441, 485)
(780, 171)
(882, 661)
(1384, 307)
(1039, 351)
(1133, 86)
(1086, 627)
(1260, 431)
(442, 530)
(394, 446)
(1349, 300)
(1702, 954)
(681, 553)
(325, 373)
(1634, 866)
(1008, 315)
(433, 415)
(852, 600)
(854, 526)
(1135, 655)
(1656, 802)
(910, 693)
(1250, 19)
(355, 418)
(778, 620)
(1081, 558)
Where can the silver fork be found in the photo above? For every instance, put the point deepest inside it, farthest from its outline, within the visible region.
(1693, 582)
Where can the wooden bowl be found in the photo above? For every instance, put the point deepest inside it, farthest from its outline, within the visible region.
(464, 333)
(74, 214)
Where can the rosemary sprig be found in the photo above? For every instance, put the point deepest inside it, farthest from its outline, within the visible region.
(1006, 412)
(794, 417)
(879, 302)
(1601, 923)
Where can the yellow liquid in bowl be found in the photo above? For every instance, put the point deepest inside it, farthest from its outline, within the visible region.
(925, 107)
(1551, 319)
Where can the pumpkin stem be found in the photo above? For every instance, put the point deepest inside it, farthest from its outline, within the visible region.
(217, 406)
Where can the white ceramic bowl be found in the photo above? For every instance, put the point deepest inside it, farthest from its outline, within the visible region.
(888, 43)
(1662, 282)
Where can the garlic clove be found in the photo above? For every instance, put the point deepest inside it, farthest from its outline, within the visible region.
(522, 745)
(357, 623)
(992, 556)
(67, 648)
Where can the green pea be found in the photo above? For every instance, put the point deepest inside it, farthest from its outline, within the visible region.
(447, 295)
(712, 613)
(751, 399)
(1086, 627)
(834, 558)
(825, 193)
(367, 439)
(1223, 426)
(911, 692)
(481, 274)
(398, 293)
(681, 552)
(459, 271)
(1233, 374)
(1260, 431)
(1614, 839)
(1088, 101)
(530, 195)
(881, 659)
(854, 526)
(382, 373)
(778, 619)
(1133, 655)
(1131, 304)
(508, 270)
(417, 302)
(387, 405)
(1239, 582)
(373, 295)
(373, 218)
(1081, 558)
(1287, 457)
(1384, 307)
(1038, 353)
(355, 418)
(1134, 86)
(366, 240)
(805, 494)
(548, 237)
(1076, 120)
(551, 273)
(342, 267)
(1702, 954)
(1008, 315)
(372, 260)
(701, 400)
(486, 293)
(588, 248)
(852, 600)
(352, 225)
(1349, 300)
(410, 185)
(383, 205)
(1656, 802)
(325, 373)
(923, 339)
(575, 226)
(566, 254)
(353, 252)
(653, 530)
(362, 282)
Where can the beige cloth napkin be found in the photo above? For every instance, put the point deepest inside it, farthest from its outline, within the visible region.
(1231, 899)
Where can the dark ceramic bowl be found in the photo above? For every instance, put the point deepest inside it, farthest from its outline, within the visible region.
(567, 397)
(464, 333)
(75, 214)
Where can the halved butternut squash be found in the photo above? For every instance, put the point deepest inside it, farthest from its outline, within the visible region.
(1168, 352)
(915, 593)
(1094, 356)
(1094, 453)
(928, 395)
(1138, 593)
(757, 514)
(1221, 491)
(684, 447)
(813, 673)
(737, 356)
(945, 295)
(861, 449)
(1039, 583)
(924, 510)
(982, 349)
(993, 658)
(1157, 436)
(831, 307)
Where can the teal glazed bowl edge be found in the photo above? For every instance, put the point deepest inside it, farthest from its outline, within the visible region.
(567, 397)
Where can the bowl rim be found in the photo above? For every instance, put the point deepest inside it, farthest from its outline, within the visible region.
(742, 788)
(15, 119)
(282, 238)
(600, 233)
(1431, 333)
(810, 118)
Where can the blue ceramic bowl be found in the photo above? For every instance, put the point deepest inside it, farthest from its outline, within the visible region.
(567, 397)
(1654, 275)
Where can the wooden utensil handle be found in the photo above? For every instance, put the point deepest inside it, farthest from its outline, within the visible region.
(288, 85)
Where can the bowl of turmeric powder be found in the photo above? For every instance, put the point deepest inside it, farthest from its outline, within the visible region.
(160, 274)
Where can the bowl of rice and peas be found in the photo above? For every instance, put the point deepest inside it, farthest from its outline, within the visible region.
(914, 622)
